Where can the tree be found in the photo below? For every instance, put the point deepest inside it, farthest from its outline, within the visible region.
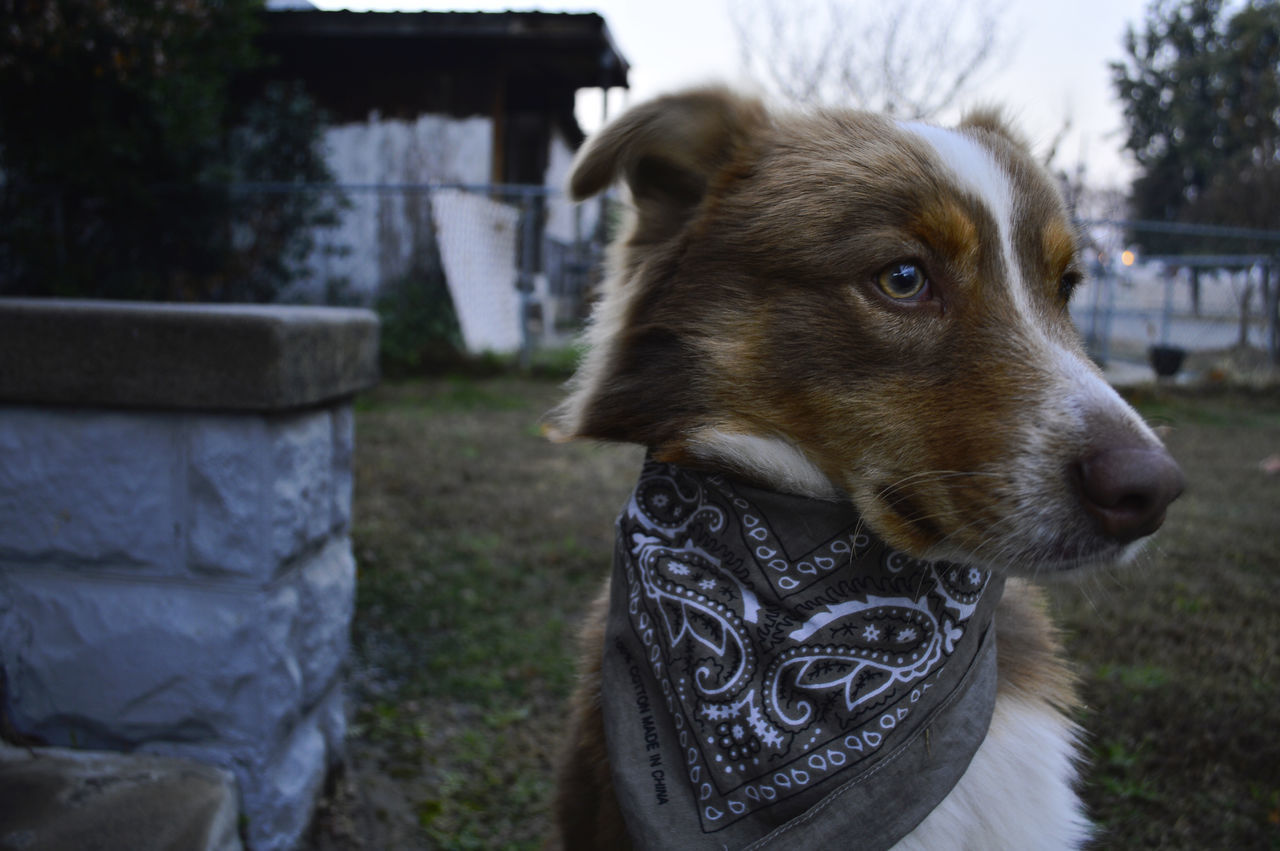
(117, 151)
(910, 58)
(1201, 95)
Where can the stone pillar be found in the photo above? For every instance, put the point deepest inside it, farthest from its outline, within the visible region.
(176, 574)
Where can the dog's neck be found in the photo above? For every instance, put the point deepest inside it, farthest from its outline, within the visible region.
(769, 652)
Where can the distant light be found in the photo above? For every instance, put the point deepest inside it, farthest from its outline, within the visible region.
(1127, 258)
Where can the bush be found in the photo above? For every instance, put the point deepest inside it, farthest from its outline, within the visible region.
(420, 332)
(118, 154)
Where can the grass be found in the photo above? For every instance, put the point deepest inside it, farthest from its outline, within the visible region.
(1180, 655)
(479, 544)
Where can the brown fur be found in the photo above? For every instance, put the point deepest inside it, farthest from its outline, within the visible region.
(717, 298)
(585, 806)
(742, 301)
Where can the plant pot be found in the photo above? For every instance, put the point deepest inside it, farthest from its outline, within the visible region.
(1166, 360)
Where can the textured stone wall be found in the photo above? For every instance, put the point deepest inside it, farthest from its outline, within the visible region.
(182, 583)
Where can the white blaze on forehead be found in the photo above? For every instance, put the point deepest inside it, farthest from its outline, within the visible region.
(972, 166)
(977, 172)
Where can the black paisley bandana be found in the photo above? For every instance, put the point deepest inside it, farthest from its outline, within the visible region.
(774, 676)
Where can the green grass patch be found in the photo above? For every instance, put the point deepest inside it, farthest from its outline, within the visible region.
(479, 545)
(1134, 676)
(449, 395)
(1208, 407)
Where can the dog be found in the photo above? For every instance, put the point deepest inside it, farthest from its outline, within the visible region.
(844, 341)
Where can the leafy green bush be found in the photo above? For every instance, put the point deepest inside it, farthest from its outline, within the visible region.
(118, 154)
(420, 332)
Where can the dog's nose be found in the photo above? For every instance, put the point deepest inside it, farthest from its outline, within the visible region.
(1128, 489)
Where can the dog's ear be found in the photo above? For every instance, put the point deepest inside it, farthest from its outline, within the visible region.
(668, 151)
(991, 119)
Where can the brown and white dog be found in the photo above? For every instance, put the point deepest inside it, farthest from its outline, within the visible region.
(838, 305)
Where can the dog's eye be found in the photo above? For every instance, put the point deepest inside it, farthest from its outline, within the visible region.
(1070, 280)
(902, 281)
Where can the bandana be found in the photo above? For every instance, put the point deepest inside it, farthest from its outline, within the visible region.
(768, 662)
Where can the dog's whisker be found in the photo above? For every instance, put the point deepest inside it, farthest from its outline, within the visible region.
(931, 476)
(1088, 598)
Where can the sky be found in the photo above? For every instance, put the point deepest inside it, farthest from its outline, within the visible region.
(1055, 65)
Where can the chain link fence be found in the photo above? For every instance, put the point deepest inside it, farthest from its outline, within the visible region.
(483, 268)
(528, 259)
(518, 262)
(513, 268)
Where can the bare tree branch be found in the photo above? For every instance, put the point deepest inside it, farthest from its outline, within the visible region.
(1051, 152)
(909, 58)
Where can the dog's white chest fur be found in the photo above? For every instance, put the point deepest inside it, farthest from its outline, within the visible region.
(1017, 793)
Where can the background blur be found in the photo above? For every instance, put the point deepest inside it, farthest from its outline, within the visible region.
(412, 161)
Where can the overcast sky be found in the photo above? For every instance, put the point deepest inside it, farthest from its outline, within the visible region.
(1056, 65)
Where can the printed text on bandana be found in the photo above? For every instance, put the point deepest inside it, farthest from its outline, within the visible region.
(649, 729)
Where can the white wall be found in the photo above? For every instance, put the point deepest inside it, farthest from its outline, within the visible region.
(380, 233)
(385, 229)
(560, 210)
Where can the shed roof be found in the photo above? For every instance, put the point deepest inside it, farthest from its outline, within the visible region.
(354, 61)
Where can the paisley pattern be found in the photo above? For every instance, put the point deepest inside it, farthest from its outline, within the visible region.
(785, 656)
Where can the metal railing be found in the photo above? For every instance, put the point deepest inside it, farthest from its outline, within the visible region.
(1210, 302)
(520, 263)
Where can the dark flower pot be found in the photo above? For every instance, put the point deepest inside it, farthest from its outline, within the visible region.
(1166, 360)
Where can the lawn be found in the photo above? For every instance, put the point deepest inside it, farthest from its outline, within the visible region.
(479, 543)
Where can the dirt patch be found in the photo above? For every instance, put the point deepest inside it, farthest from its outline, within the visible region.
(479, 543)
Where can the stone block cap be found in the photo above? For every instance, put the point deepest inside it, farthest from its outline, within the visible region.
(183, 356)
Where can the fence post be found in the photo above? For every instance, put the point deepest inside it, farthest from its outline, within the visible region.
(1091, 338)
(528, 272)
(1246, 304)
(1272, 288)
(1108, 313)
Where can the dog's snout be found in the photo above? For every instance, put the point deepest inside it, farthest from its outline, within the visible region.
(1128, 489)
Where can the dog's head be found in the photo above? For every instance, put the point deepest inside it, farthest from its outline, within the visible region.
(835, 302)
